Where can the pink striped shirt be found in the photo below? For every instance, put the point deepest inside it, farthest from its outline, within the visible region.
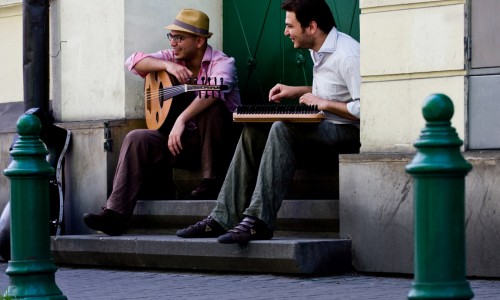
(215, 63)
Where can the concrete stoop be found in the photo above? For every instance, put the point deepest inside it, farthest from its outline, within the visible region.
(306, 242)
(278, 255)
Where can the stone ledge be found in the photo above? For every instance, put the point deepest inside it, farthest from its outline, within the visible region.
(376, 212)
(279, 255)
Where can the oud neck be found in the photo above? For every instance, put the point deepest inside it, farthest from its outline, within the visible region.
(200, 87)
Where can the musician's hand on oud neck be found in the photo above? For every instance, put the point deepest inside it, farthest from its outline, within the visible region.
(180, 72)
(174, 138)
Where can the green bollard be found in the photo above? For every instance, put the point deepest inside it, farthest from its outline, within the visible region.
(31, 269)
(438, 170)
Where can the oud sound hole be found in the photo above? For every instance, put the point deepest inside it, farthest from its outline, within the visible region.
(161, 97)
(148, 99)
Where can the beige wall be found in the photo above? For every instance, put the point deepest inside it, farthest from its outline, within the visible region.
(396, 4)
(11, 77)
(88, 70)
(392, 118)
(409, 50)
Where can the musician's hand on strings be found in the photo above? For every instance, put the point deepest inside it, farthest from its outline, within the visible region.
(180, 72)
(310, 99)
(174, 138)
(279, 92)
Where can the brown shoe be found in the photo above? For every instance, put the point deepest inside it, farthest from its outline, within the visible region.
(107, 221)
(207, 190)
(249, 229)
(207, 228)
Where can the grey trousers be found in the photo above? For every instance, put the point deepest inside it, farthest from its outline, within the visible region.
(264, 163)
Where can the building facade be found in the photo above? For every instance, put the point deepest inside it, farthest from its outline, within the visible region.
(409, 50)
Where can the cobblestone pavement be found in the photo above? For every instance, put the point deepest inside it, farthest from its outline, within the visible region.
(83, 283)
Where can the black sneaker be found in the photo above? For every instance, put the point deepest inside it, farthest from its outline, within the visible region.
(249, 229)
(207, 228)
(107, 221)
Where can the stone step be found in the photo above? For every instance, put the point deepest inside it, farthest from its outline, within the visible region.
(286, 255)
(308, 183)
(294, 215)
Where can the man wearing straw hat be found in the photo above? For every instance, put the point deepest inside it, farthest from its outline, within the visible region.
(203, 131)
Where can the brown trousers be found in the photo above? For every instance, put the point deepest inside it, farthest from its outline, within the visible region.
(145, 164)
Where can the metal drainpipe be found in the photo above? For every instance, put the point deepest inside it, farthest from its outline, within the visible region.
(36, 55)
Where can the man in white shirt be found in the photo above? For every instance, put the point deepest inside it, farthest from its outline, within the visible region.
(265, 159)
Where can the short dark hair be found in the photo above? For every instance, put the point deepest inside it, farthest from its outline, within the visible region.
(311, 10)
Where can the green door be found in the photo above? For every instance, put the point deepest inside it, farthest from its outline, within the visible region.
(253, 35)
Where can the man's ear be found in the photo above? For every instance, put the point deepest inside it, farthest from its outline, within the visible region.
(312, 27)
(200, 41)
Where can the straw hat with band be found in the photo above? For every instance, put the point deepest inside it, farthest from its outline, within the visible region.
(191, 21)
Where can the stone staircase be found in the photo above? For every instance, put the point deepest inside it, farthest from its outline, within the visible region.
(306, 240)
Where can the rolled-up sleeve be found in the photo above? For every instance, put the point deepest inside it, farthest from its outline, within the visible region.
(353, 108)
(353, 81)
(133, 59)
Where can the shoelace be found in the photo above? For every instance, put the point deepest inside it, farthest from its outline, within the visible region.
(103, 211)
(203, 222)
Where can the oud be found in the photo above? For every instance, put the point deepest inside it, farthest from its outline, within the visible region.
(165, 98)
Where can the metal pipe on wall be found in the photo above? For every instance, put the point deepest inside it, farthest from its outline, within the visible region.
(36, 55)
